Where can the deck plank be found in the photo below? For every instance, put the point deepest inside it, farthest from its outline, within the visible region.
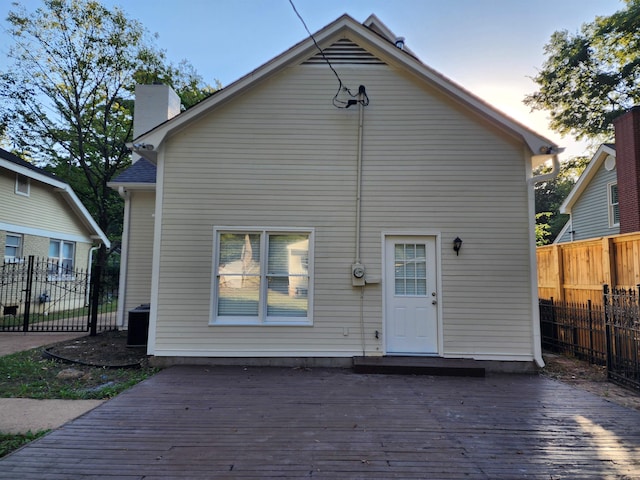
(235, 422)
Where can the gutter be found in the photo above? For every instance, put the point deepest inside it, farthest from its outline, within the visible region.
(547, 153)
(124, 255)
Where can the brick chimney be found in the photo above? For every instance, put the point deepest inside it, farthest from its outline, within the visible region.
(154, 104)
(627, 130)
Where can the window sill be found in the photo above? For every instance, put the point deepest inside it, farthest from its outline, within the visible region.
(14, 260)
(258, 323)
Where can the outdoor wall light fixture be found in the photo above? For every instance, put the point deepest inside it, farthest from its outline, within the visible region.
(457, 245)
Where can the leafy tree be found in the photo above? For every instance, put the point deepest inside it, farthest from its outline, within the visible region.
(591, 77)
(67, 100)
(550, 195)
(543, 230)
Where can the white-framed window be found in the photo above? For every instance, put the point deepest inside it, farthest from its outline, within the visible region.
(61, 255)
(262, 276)
(23, 185)
(614, 208)
(12, 248)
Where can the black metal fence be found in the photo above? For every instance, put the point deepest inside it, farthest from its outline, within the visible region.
(574, 328)
(605, 335)
(40, 296)
(622, 326)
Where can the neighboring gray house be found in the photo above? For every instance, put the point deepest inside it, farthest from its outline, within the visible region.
(593, 202)
(265, 223)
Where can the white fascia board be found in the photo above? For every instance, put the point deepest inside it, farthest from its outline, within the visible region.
(533, 140)
(142, 186)
(156, 136)
(374, 23)
(79, 209)
(67, 193)
(39, 232)
(27, 172)
(564, 230)
(585, 178)
(305, 48)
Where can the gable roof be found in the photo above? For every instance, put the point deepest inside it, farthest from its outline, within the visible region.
(605, 150)
(15, 164)
(376, 36)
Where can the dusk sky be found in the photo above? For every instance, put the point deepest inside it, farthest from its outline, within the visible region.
(490, 47)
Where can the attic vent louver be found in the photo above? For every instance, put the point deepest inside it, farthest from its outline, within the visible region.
(343, 52)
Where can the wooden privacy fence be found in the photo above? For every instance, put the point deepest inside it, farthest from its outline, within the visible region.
(576, 271)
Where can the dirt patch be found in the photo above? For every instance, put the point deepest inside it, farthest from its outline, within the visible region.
(108, 349)
(591, 378)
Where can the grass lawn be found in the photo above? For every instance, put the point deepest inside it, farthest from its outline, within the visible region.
(29, 375)
(12, 441)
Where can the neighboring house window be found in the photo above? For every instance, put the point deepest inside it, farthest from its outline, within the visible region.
(22, 185)
(614, 208)
(262, 277)
(12, 248)
(61, 255)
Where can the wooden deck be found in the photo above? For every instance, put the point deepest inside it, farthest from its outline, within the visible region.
(235, 422)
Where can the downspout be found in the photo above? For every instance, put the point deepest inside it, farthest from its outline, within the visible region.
(359, 173)
(124, 253)
(548, 153)
(361, 93)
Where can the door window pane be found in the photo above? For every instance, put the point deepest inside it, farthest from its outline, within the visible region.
(410, 269)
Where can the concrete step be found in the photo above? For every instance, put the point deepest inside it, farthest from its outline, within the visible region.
(452, 367)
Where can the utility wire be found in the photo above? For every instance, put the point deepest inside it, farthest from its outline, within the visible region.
(341, 86)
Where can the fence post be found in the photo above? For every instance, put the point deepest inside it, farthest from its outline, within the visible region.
(27, 294)
(607, 327)
(559, 270)
(609, 269)
(95, 300)
(592, 357)
(554, 325)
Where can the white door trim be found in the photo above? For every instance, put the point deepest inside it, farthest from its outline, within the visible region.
(437, 235)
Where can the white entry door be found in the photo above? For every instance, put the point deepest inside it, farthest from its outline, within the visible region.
(411, 297)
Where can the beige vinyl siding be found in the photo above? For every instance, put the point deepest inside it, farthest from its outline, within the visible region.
(43, 209)
(140, 249)
(281, 155)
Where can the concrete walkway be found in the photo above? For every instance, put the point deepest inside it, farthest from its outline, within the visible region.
(12, 342)
(21, 415)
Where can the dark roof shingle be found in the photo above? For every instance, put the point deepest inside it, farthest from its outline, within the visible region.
(19, 161)
(143, 171)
